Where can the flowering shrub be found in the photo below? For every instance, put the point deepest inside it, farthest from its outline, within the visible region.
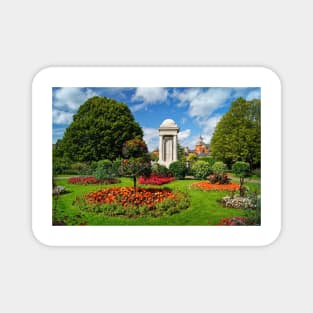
(155, 180)
(59, 190)
(233, 221)
(84, 180)
(134, 148)
(219, 179)
(239, 221)
(204, 185)
(238, 202)
(123, 201)
(135, 167)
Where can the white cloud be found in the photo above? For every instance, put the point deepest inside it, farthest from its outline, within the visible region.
(246, 93)
(61, 117)
(72, 98)
(183, 135)
(151, 137)
(255, 94)
(208, 126)
(206, 102)
(186, 96)
(184, 138)
(202, 107)
(202, 102)
(138, 107)
(150, 95)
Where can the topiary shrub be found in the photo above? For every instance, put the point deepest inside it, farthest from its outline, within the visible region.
(81, 168)
(134, 148)
(104, 170)
(160, 170)
(209, 159)
(200, 169)
(178, 169)
(115, 167)
(241, 170)
(219, 168)
(219, 176)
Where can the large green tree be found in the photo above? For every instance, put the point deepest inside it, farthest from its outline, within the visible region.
(98, 131)
(237, 136)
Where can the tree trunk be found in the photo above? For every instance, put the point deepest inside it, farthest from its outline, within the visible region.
(241, 187)
(135, 180)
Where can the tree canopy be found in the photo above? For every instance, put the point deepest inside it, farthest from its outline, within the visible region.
(99, 129)
(237, 136)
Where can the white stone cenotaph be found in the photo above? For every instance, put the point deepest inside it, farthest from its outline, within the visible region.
(168, 142)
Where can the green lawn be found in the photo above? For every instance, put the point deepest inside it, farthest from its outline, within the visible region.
(204, 207)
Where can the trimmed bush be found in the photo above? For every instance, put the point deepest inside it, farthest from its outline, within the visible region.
(200, 169)
(116, 164)
(81, 168)
(219, 179)
(104, 170)
(160, 170)
(208, 159)
(241, 170)
(178, 169)
(219, 168)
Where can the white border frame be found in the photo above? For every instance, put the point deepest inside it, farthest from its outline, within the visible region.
(156, 77)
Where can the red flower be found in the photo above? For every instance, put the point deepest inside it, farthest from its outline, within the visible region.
(126, 196)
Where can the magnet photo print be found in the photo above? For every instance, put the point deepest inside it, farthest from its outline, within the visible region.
(156, 156)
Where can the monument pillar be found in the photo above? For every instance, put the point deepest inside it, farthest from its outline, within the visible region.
(175, 148)
(161, 149)
(168, 142)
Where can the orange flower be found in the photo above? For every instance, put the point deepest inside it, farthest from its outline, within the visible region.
(204, 185)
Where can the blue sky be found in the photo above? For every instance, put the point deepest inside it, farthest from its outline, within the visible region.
(195, 110)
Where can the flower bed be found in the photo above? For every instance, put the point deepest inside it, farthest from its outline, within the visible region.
(233, 221)
(238, 202)
(123, 201)
(84, 180)
(155, 180)
(126, 196)
(204, 185)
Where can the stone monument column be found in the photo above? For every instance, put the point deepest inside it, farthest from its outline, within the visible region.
(168, 142)
(161, 149)
(175, 148)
